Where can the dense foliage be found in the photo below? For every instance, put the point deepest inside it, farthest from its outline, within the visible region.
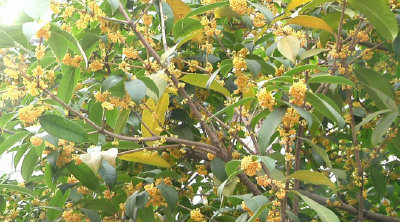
(214, 110)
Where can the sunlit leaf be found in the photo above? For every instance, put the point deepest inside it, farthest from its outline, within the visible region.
(201, 81)
(289, 46)
(313, 178)
(310, 22)
(142, 157)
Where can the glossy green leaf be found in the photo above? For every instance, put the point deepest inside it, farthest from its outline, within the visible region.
(268, 161)
(121, 121)
(379, 15)
(22, 190)
(378, 181)
(111, 81)
(68, 82)
(382, 127)
(96, 113)
(324, 213)
(320, 152)
(168, 173)
(89, 43)
(21, 151)
(150, 84)
(101, 205)
(63, 128)
(313, 178)
(58, 200)
(331, 79)
(84, 174)
(185, 26)
(253, 66)
(232, 166)
(71, 42)
(6, 117)
(58, 44)
(93, 215)
(289, 47)
(184, 131)
(170, 195)
(311, 52)
(268, 127)
(136, 89)
(324, 107)
(28, 164)
(211, 79)
(206, 8)
(48, 177)
(368, 118)
(201, 81)
(114, 5)
(13, 139)
(218, 168)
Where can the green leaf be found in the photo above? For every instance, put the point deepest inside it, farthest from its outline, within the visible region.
(300, 69)
(313, 178)
(226, 12)
(21, 151)
(63, 128)
(169, 13)
(108, 173)
(379, 15)
(253, 66)
(68, 82)
(300, 110)
(111, 81)
(233, 105)
(142, 199)
(150, 84)
(268, 161)
(101, 205)
(228, 182)
(331, 79)
(147, 214)
(311, 52)
(170, 195)
(185, 26)
(232, 166)
(168, 173)
(29, 164)
(6, 41)
(279, 79)
(121, 121)
(36, 8)
(58, 44)
(368, 118)
(268, 127)
(84, 174)
(16, 188)
(48, 176)
(324, 213)
(227, 188)
(58, 200)
(341, 174)
(320, 152)
(71, 42)
(89, 43)
(289, 47)
(122, 145)
(130, 205)
(258, 212)
(292, 216)
(382, 127)
(201, 81)
(206, 8)
(13, 139)
(269, 16)
(93, 215)
(96, 113)
(324, 107)
(114, 5)
(184, 132)
(211, 79)
(136, 89)
(378, 181)
(167, 53)
(5, 118)
(218, 168)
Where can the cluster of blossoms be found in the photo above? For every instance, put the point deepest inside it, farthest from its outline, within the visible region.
(250, 166)
(29, 114)
(155, 196)
(287, 130)
(266, 99)
(298, 92)
(287, 30)
(196, 215)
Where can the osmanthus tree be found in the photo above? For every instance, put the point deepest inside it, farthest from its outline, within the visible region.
(211, 110)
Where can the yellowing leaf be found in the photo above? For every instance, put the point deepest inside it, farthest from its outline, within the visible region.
(150, 159)
(310, 22)
(201, 81)
(313, 177)
(289, 46)
(226, 12)
(294, 3)
(180, 10)
(92, 160)
(159, 108)
(110, 155)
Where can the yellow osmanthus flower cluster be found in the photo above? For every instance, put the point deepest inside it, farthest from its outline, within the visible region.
(29, 114)
(44, 32)
(287, 130)
(274, 215)
(210, 27)
(239, 6)
(13, 93)
(72, 61)
(287, 30)
(250, 166)
(298, 92)
(36, 141)
(55, 6)
(130, 53)
(196, 215)
(95, 65)
(259, 19)
(147, 19)
(266, 99)
(342, 54)
(39, 52)
(201, 169)
(155, 196)
(68, 12)
(71, 216)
